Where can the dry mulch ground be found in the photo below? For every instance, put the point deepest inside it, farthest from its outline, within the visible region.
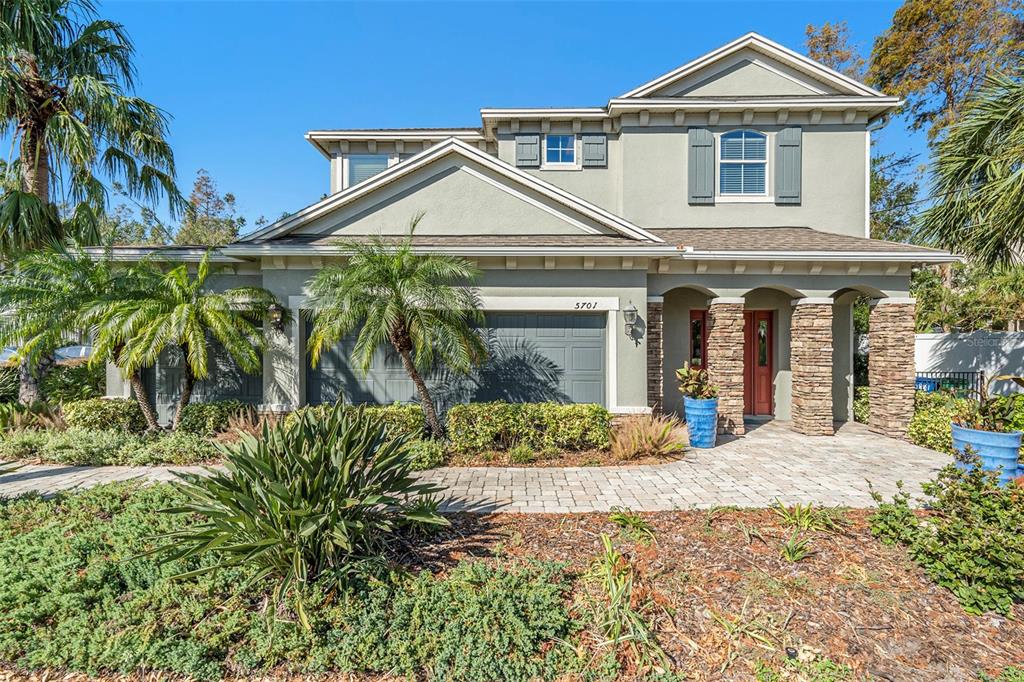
(562, 458)
(722, 597)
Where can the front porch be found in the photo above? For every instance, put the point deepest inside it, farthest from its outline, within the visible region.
(777, 352)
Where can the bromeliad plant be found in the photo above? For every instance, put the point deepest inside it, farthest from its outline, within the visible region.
(317, 500)
(989, 413)
(695, 383)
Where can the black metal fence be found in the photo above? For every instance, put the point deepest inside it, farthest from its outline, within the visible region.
(967, 384)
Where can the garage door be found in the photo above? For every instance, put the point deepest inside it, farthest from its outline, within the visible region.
(532, 357)
(224, 382)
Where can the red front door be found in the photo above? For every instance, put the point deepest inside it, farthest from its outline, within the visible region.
(757, 362)
(698, 338)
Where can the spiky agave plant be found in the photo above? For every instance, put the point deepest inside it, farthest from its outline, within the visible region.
(307, 502)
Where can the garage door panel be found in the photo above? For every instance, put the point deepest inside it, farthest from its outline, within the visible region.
(533, 357)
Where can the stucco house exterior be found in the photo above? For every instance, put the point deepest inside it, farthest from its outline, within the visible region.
(718, 214)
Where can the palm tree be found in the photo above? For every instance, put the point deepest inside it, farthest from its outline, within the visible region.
(66, 82)
(54, 293)
(419, 303)
(180, 312)
(978, 178)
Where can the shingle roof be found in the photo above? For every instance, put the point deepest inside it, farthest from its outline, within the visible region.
(779, 239)
(471, 240)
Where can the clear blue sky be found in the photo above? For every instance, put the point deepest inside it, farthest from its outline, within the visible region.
(245, 80)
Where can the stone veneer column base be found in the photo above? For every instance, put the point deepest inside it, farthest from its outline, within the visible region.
(811, 364)
(725, 362)
(891, 367)
(655, 355)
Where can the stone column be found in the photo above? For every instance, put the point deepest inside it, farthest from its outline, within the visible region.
(891, 366)
(725, 360)
(655, 353)
(811, 365)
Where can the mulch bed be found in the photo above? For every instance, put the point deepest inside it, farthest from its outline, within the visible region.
(855, 600)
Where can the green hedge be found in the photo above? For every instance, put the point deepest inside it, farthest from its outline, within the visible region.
(861, 404)
(930, 426)
(479, 427)
(122, 414)
(400, 418)
(95, 447)
(68, 381)
(207, 419)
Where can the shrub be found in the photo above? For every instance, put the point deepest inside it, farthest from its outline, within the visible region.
(120, 414)
(87, 447)
(426, 453)
(74, 380)
(930, 426)
(310, 501)
(22, 444)
(207, 419)
(174, 447)
(647, 436)
(15, 416)
(479, 427)
(521, 453)
(400, 418)
(970, 542)
(861, 404)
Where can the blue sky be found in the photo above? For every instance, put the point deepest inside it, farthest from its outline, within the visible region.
(244, 81)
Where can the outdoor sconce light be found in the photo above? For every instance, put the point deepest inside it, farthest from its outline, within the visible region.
(629, 316)
(276, 315)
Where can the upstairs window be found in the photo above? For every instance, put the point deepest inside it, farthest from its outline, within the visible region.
(365, 166)
(560, 150)
(743, 163)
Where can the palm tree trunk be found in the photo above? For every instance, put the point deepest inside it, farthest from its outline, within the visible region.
(142, 397)
(30, 389)
(35, 178)
(426, 402)
(188, 382)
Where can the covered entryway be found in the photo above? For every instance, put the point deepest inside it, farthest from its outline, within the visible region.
(533, 357)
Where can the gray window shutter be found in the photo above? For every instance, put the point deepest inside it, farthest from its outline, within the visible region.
(700, 167)
(595, 151)
(528, 151)
(787, 166)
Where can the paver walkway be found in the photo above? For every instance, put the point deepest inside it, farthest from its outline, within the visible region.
(771, 462)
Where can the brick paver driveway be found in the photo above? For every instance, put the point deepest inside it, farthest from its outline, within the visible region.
(770, 462)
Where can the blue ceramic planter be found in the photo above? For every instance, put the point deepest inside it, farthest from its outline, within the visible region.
(701, 421)
(996, 450)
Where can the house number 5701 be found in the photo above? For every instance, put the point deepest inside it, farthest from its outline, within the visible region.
(586, 305)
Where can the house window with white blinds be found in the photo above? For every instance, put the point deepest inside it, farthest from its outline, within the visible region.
(365, 166)
(743, 163)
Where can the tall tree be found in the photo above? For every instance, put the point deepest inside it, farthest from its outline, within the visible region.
(66, 82)
(210, 218)
(977, 178)
(894, 192)
(422, 304)
(182, 313)
(830, 44)
(938, 51)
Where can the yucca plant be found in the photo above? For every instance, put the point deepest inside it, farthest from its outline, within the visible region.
(311, 501)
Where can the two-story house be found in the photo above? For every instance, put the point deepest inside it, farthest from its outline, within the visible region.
(717, 215)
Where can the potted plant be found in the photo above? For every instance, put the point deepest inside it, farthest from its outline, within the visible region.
(986, 429)
(700, 404)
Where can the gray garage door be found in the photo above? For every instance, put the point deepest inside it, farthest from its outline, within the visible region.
(533, 357)
(225, 382)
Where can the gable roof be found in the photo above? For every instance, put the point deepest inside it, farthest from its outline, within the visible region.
(842, 83)
(509, 175)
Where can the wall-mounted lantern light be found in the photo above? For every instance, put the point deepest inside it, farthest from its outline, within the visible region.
(276, 315)
(629, 316)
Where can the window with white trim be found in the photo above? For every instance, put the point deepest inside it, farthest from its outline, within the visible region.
(560, 150)
(743, 163)
(364, 166)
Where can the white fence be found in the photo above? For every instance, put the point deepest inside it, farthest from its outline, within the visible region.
(990, 353)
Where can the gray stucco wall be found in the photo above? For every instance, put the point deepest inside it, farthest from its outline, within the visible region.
(646, 178)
